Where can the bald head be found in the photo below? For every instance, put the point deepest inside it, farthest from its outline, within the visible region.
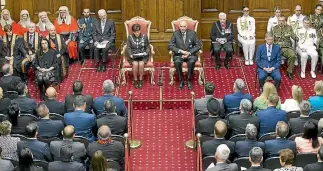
(69, 132)
(51, 93)
(183, 26)
(104, 132)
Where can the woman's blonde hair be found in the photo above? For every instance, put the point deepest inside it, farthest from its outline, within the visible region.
(268, 89)
(5, 127)
(297, 93)
(318, 88)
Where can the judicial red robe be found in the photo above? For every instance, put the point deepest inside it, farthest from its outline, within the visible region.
(16, 29)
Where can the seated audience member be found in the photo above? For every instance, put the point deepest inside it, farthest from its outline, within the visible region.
(272, 147)
(275, 115)
(99, 162)
(26, 161)
(206, 126)
(8, 82)
(221, 156)
(296, 125)
(79, 151)
(46, 126)
(111, 149)
(238, 123)
(242, 148)
(66, 162)
(200, 104)
(26, 104)
(286, 157)
(108, 89)
(232, 101)
(39, 149)
(318, 166)
(52, 104)
(8, 143)
(18, 123)
(220, 130)
(317, 100)
(77, 91)
(309, 142)
(256, 158)
(83, 123)
(5, 165)
(117, 124)
(4, 103)
(293, 104)
(261, 102)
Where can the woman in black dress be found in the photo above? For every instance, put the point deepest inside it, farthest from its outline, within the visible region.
(45, 63)
(138, 53)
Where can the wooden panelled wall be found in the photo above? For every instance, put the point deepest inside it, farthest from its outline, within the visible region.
(162, 12)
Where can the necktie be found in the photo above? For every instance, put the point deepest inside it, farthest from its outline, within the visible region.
(269, 52)
(63, 21)
(31, 38)
(103, 25)
(184, 36)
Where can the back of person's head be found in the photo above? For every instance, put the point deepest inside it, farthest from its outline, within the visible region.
(209, 88)
(25, 159)
(297, 93)
(320, 153)
(251, 132)
(31, 130)
(6, 69)
(286, 156)
(104, 132)
(99, 162)
(77, 87)
(305, 108)
(310, 133)
(220, 129)
(282, 129)
(42, 110)
(66, 153)
(79, 101)
(268, 88)
(320, 126)
(273, 99)
(51, 92)
(69, 132)
(108, 87)
(222, 152)
(239, 85)
(256, 155)
(318, 88)
(109, 106)
(213, 106)
(245, 106)
(5, 128)
(13, 113)
(21, 87)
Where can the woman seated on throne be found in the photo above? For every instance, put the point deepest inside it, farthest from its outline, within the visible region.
(45, 63)
(138, 53)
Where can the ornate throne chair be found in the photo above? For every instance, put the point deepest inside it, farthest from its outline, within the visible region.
(125, 66)
(192, 25)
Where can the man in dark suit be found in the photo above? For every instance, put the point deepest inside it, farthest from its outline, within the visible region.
(113, 150)
(238, 122)
(108, 89)
(66, 162)
(272, 147)
(206, 126)
(296, 125)
(242, 148)
(84, 123)
(268, 61)
(46, 126)
(200, 104)
(221, 156)
(184, 45)
(318, 166)
(79, 151)
(77, 91)
(220, 130)
(52, 104)
(9, 82)
(222, 37)
(39, 149)
(26, 104)
(104, 36)
(232, 101)
(117, 124)
(4, 103)
(256, 158)
(275, 115)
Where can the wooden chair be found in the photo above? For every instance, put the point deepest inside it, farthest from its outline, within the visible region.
(126, 66)
(192, 25)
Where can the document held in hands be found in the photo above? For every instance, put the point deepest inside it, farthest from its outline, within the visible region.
(102, 45)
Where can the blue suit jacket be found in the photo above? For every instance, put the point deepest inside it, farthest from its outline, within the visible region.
(262, 58)
(272, 147)
(98, 104)
(232, 101)
(83, 123)
(39, 149)
(243, 147)
(268, 119)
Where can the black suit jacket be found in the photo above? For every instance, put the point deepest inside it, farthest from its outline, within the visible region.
(238, 123)
(109, 33)
(39, 149)
(9, 83)
(26, 105)
(55, 106)
(113, 150)
(4, 104)
(65, 166)
(209, 147)
(20, 128)
(79, 151)
(192, 44)
(117, 124)
(206, 126)
(69, 101)
(318, 166)
(216, 31)
(296, 125)
(258, 168)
